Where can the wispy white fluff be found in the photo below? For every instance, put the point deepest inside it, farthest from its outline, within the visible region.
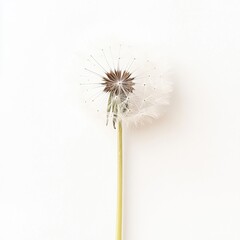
(148, 102)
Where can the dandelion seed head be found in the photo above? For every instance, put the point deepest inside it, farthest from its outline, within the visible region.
(125, 85)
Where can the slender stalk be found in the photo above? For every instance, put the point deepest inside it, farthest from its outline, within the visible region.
(119, 183)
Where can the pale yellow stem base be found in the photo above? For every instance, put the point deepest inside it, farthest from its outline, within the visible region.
(119, 183)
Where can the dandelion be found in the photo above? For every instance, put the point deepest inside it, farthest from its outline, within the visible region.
(131, 89)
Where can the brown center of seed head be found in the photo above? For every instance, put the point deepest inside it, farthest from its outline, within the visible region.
(118, 83)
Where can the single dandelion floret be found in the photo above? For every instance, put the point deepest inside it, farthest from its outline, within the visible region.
(134, 88)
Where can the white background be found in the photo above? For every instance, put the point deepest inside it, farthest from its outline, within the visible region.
(58, 164)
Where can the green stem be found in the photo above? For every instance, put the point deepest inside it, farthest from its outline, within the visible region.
(119, 183)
